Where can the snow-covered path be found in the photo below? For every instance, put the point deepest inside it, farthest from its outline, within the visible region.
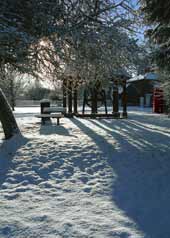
(87, 178)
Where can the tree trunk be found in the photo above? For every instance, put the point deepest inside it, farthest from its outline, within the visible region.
(115, 100)
(75, 101)
(70, 98)
(64, 94)
(7, 118)
(124, 100)
(94, 101)
(12, 94)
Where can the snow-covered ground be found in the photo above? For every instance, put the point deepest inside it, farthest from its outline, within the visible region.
(86, 178)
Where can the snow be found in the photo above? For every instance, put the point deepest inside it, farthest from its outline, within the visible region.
(86, 178)
(148, 76)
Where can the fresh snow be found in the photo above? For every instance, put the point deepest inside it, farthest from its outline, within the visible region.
(86, 178)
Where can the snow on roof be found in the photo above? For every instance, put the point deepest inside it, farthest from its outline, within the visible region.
(148, 76)
(136, 78)
(151, 76)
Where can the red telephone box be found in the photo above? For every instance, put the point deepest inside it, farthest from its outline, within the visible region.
(158, 100)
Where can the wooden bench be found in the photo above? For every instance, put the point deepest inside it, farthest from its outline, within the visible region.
(52, 115)
(54, 109)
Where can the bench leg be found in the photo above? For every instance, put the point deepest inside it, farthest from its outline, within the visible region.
(42, 121)
(58, 121)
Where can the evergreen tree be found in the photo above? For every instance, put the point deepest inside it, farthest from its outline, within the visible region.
(157, 14)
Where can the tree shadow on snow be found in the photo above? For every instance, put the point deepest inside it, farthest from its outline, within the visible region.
(8, 150)
(49, 129)
(142, 166)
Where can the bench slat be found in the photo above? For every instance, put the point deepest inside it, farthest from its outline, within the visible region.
(54, 109)
(53, 115)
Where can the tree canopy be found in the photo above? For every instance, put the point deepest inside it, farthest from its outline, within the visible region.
(38, 34)
(157, 14)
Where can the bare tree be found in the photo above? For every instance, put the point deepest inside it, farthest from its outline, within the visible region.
(11, 82)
